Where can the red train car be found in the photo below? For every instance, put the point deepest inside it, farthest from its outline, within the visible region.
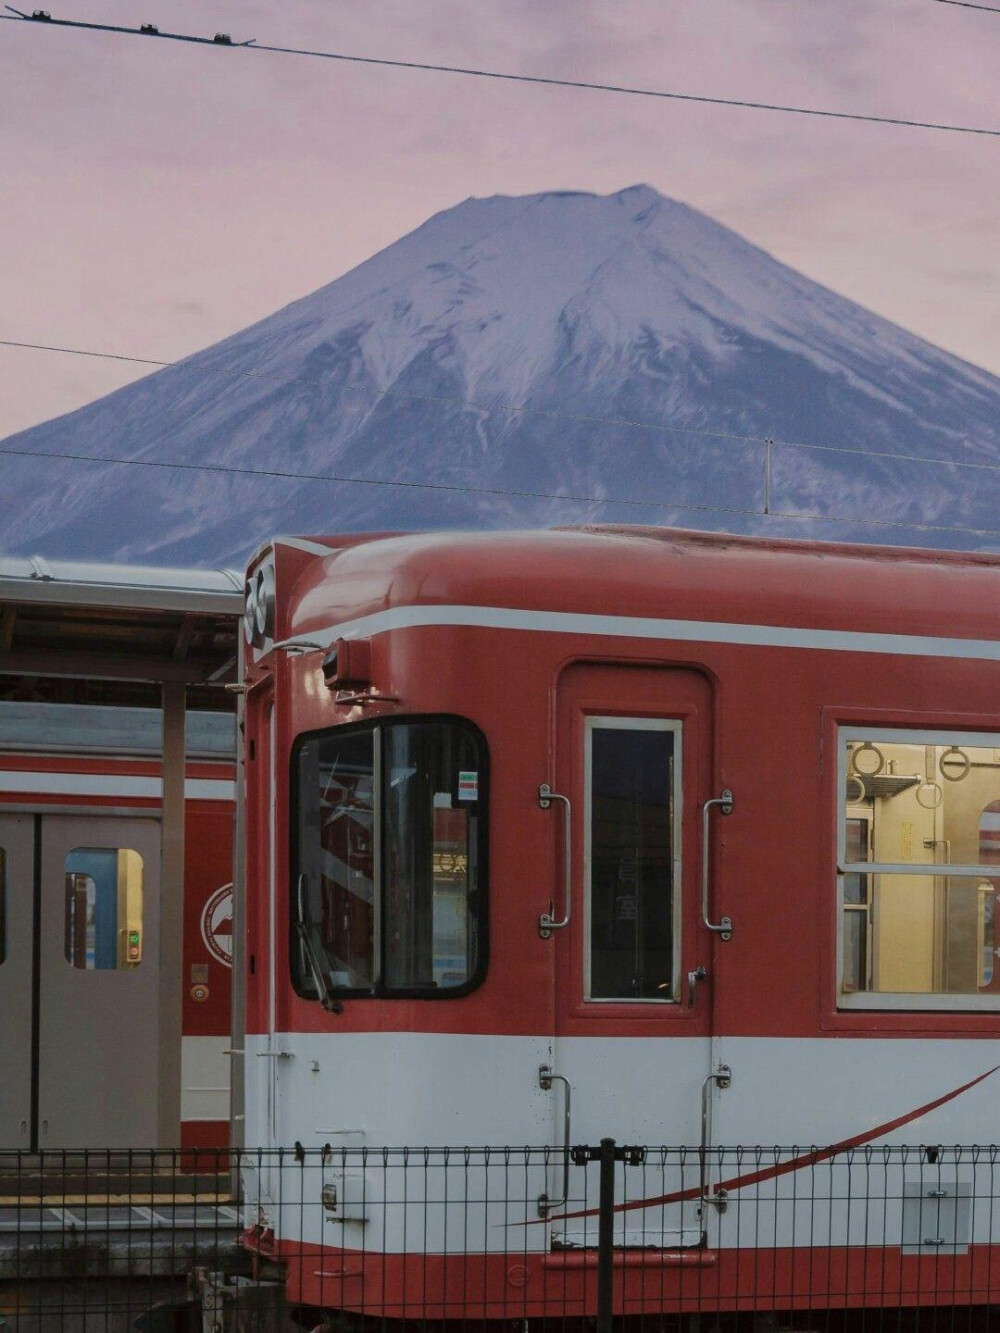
(81, 963)
(679, 838)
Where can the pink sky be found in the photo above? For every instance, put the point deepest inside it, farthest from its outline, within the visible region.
(155, 197)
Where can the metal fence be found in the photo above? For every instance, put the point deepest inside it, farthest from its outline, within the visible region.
(352, 1237)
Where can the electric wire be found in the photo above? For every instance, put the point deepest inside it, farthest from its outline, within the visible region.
(564, 497)
(223, 41)
(967, 4)
(82, 351)
(281, 474)
(575, 418)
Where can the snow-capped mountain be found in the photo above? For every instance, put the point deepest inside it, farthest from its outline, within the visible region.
(559, 344)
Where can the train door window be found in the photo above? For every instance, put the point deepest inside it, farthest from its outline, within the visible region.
(104, 909)
(632, 859)
(3, 905)
(389, 853)
(918, 870)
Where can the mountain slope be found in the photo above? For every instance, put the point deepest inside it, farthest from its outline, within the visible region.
(564, 343)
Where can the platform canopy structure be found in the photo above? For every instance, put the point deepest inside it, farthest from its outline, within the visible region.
(98, 623)
(134, 638)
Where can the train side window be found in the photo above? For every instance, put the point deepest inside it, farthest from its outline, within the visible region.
(632, 859)
(104, 909)
(3, 905)
(918, 870)
(857, 905)
(389, 853)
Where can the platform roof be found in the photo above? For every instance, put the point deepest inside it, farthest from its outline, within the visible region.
(105, 622)
(35, 579)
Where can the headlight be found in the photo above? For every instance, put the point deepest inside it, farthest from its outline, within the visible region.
(249, 615)
(264, 609)
(258, 617)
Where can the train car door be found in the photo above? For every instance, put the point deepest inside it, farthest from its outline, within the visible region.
(98, 978)
(274, 1054)
(633, 964)
(17, 861)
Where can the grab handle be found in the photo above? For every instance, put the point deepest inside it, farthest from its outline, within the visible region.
(546, 1078)
(722, 1077)
(724, 927)
(547, 922)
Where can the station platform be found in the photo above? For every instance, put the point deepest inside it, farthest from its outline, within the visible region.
(114, 1223)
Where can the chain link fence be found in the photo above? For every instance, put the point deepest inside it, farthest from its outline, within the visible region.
(605, 1236)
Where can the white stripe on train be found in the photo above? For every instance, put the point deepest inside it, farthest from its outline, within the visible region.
(650, 627)
(18, 781)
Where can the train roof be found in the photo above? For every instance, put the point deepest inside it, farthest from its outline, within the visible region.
(656, 572)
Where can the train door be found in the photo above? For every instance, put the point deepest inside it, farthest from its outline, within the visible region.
(17, 860)
(632, 1044)
(98, 982)
(273, 1054)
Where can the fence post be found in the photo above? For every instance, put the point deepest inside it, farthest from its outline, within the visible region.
(607, 1155)
(605, 1237)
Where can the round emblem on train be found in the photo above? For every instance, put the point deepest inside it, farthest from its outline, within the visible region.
(217, 925)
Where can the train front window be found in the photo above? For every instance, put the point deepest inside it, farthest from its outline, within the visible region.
(919, 870)
(429, 856)
(333, 904)
(632, 856)
(388, 892)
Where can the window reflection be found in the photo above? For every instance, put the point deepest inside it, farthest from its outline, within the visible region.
(336, 822)
(388, 882)
(431, 831)
(857, 907)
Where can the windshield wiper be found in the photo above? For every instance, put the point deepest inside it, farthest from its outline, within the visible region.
(327, 998)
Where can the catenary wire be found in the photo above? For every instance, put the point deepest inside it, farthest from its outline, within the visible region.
(568, 498)
(575, 418)
(473, 72)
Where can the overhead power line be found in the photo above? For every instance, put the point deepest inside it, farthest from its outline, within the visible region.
(523, 409)
(83, 351)
(272, 474)
(967, 4)
(223, 40)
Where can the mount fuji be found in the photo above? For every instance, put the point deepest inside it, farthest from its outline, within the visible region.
(557, 358)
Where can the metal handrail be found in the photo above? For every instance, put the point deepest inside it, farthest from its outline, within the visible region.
(723, 1076)
(724, 927)
(546, 1078)
(546, 921)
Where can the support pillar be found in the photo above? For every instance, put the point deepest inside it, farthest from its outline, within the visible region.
(237, 1056)
(172, 917)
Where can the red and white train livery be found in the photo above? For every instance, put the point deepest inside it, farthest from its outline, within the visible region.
(696, 831)
(82, 962)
